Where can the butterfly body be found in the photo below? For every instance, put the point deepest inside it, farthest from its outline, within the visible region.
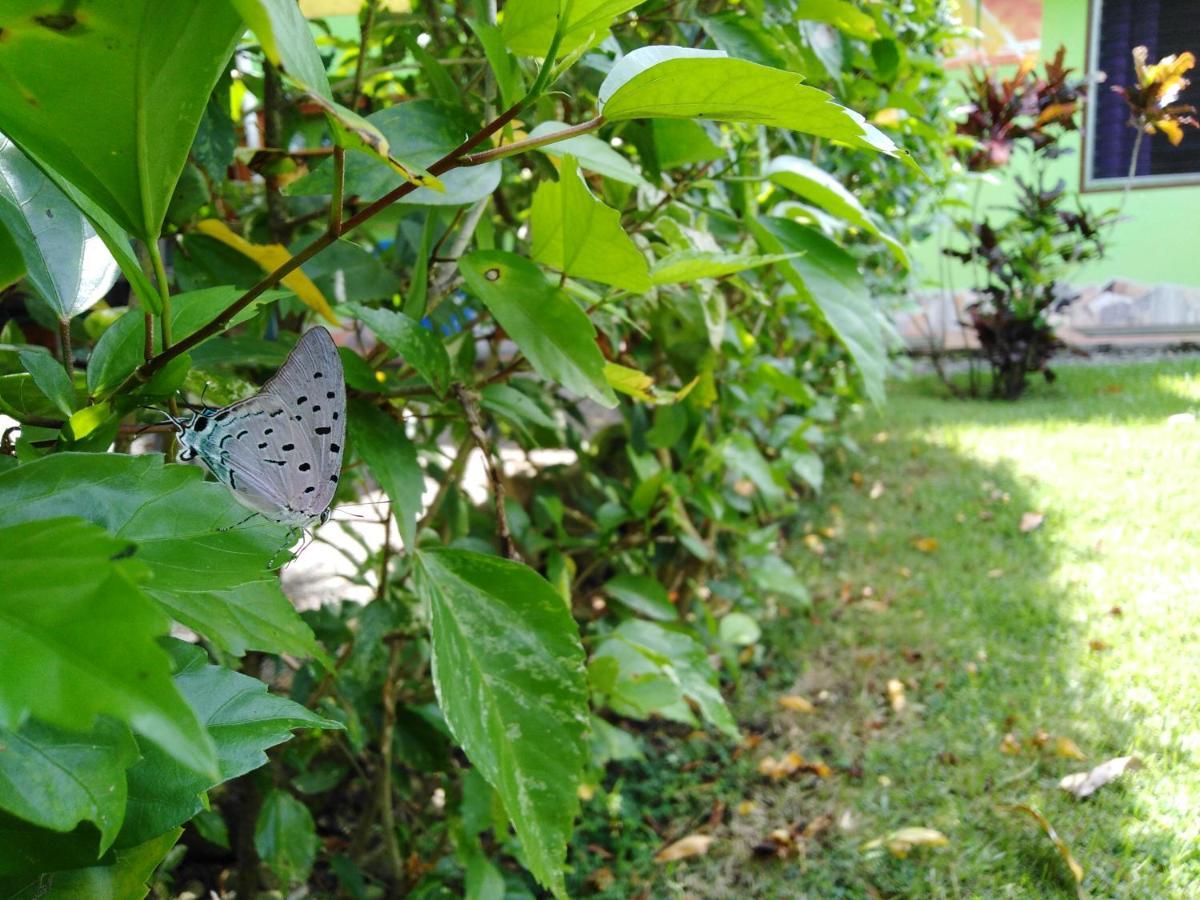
(280, 451)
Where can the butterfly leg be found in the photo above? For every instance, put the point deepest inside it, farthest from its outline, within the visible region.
(238, 524)
(292, 535)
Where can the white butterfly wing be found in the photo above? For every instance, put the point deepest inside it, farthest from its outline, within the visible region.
(249, 447)
(312, 387)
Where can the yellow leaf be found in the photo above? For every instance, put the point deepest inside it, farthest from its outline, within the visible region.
(316, 9)
(902, 841)
(1067, 748)
(1010, 745)
(684, 848)
(629, 381)
(270, 257)
(1063, 849)
(796, 703)
(926, 544)
(745, 807)
(889, 117)
(895, 693)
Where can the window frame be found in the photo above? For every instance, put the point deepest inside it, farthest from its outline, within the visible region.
(1088, 183)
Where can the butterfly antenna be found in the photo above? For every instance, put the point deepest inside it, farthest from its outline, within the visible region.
(178, 423)
(203, 391)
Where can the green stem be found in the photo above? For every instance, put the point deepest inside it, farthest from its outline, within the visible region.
(339, 191)
(164, 292)
(532, 143)
(64, 345)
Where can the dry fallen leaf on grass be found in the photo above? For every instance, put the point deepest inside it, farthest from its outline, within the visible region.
(1084, 784)
(876, 490)
(796, 703)
(1067, 748)
(815, 544)
(902, 841)
(1031, 521)
(995, 573)
(895, 694)
(1010, 745)
(1098, 646)
(745, 807)
(1063, 849)
(603, 878)
(926, 544)
(685, 848)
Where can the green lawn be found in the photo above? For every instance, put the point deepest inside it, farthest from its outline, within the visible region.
(991, 633)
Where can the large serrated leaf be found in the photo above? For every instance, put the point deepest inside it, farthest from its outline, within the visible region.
(577, 234)
(65, 260)
(208, 574)
(78, 637)
(552, 331)
(508, 667)
(241, 718)
(121, 134)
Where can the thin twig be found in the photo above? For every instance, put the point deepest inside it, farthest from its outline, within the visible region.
(475, 425)
(364, 36)
(395, 862)
(532, 143)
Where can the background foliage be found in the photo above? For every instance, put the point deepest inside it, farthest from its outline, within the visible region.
(633, 233)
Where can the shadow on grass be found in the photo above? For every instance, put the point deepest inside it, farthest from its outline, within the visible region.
(984, 640)
(1113, 392)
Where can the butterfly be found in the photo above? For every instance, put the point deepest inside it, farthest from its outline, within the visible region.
(280, 451)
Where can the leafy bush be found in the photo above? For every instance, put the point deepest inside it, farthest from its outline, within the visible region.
(681, 308)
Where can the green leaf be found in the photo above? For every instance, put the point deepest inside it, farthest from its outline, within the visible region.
(827, 278)
(678, 142)
(775, 576)
(577, 234)
(689, 265)
(657, 669)
(286, 40)
(66, 262)
(519, 408)
(819, 187)
(120, 349)
(682, 83)
(529, 24)
(50, 377)
(286, 837)
(593, 154)
(127, 876)
(419, 132)
(746, 460)
(121, 134)
(739, 629)
(346, 272)
(419, 346)
(504, 65)
(12, 266)
(508, 668)
(550, 329)
(642, 594)
(208, 575)
(841, 14)
(77, 636)
(387, 451)
(56, 779)
(745, 37)
(23, 400)
(241, 718)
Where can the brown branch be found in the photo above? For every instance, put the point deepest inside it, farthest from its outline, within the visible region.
(495, 476)
(532, 143)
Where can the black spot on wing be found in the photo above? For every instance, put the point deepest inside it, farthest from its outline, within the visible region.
(241, 434)
(335, 417)
(334, 448)
(199, 424)
(322, 430)
(318, 375)
(333, 478)
(302, 399)
(221, 442)
(278, 412)
(316, 407)
(304, 467)
(268, 431)
(329, 395)
(262, 446)
(309, 489)
(288, 447)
